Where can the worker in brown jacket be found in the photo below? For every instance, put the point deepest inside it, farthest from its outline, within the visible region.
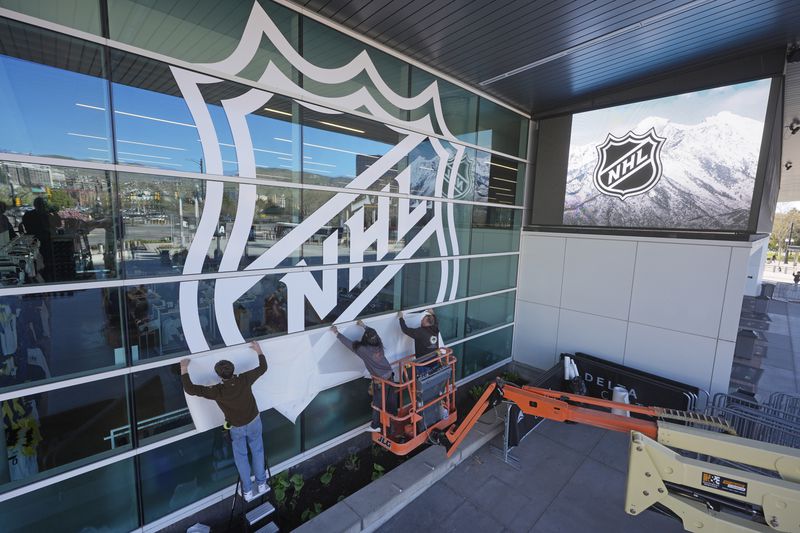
(234, 396)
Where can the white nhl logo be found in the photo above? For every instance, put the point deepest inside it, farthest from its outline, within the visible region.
(629, 165)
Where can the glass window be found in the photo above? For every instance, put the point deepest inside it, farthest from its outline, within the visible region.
(180, 473)
(160, 215)
(327, 48)
(154, 322)
(452, 319)
(160, 405)
(82, 15)
(387, 298)
(495, 229)
(499, 180)
(53, 105)
(57, 226)
(459, 106)
(486, 350)
(338, 147)
(203, 31)
(501, 129)
(336, 411)
(489, 274)
(422, 281)
(43, 337)
(61, 427)
(487, 313)
(100, 500)
(156, 126)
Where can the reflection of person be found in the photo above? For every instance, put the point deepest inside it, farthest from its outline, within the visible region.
(6, 228)
(426, 337)
(370, 350)
(796, 278)
(234, 396)
(37, 222)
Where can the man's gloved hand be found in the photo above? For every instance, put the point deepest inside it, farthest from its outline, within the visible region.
(184, 366)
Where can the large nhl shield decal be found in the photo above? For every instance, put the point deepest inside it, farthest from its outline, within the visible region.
(628, 165)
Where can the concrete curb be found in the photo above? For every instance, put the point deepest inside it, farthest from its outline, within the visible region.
(375, 504)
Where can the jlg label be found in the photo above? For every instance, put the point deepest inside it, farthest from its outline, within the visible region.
(715, 481)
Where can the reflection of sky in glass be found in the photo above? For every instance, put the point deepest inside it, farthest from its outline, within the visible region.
(51, 111)
(335, 154)
(40, 117)
(162, 133)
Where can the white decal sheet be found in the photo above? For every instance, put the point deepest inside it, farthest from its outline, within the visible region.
(299, 367)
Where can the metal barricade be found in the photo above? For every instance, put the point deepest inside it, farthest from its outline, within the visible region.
(783, 401)
(757, 421)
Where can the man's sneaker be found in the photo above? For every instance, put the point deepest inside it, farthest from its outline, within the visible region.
(248, 496)
(262, 488)
(373, 429)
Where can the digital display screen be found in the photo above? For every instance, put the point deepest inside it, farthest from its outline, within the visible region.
(686, 162)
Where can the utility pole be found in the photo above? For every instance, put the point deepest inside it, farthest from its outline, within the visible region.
(788, 243)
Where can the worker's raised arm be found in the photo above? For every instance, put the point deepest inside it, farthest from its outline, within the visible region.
(408, 331)
(252, 375)
(212, 393)
(344, 340)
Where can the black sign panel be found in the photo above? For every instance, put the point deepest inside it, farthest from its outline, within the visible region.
(602, 376)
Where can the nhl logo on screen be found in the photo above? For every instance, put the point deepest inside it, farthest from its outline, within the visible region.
(629, 165)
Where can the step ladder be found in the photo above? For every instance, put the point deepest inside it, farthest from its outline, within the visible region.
(257, 514)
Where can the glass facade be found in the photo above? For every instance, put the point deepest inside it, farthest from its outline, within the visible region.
(128, 182)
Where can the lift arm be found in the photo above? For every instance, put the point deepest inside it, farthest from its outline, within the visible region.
(554, 405)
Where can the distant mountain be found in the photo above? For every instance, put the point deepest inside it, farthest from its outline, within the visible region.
(707, 183)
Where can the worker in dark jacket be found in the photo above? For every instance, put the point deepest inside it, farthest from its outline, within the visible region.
(234, 396)
(426, 337)
(370, 350)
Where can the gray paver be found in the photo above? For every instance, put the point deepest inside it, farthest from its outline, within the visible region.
(579, 437)
(427, 511)
(593, 500)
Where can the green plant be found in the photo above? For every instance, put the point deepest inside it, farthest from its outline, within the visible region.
(280, 485)
(352, 462)
(297, 483)
(327, 477)
(476, 391)
(311, 512)
(377, 471)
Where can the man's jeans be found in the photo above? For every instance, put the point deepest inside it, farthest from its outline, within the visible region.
(243, 436)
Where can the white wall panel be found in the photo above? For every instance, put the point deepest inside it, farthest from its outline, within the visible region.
(596, 335)
(723, 363)
(598, 275)
(680, 287)
(535, 334)
(734, 293)
(541, 266)
(672, 354)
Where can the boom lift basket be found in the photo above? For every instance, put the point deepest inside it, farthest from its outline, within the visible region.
(426, 400)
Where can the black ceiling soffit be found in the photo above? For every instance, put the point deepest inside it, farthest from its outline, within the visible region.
(610, 45)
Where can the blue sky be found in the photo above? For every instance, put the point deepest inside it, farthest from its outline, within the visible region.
(50, 111)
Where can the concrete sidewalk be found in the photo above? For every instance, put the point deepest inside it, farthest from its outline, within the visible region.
(571, 480)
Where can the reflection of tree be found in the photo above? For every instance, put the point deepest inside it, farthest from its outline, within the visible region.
(59, 199)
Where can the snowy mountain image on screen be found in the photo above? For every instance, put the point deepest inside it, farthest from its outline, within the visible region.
(707, 183)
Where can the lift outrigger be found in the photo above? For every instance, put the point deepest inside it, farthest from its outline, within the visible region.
(744, 486)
